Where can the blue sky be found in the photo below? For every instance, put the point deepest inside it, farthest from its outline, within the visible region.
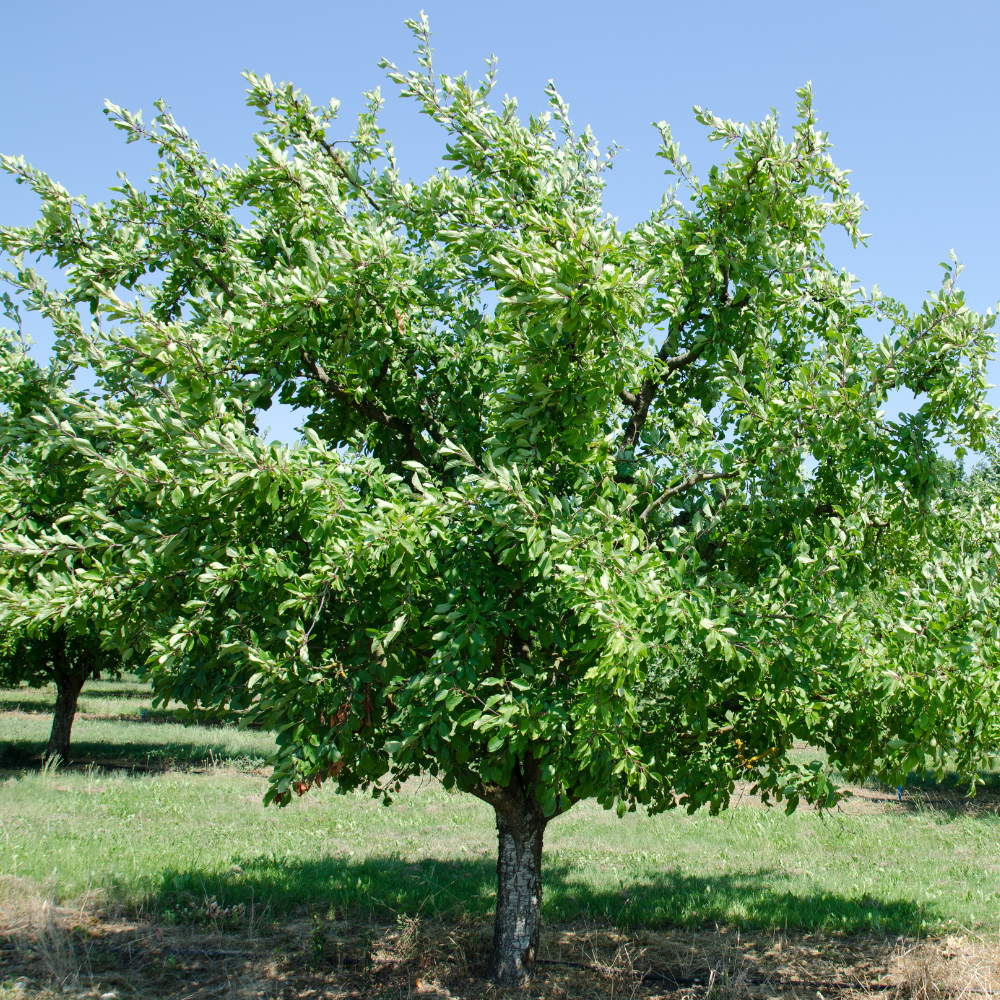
(908, 91)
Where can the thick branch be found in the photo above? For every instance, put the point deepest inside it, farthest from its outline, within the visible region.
(382, 372)
(493, 795)
(681, 360)
(521, 791)
(639, 404)
(640, 410)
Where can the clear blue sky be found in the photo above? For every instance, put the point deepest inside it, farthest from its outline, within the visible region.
(909, 92)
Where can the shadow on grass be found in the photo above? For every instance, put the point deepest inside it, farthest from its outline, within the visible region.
(948, 797)
(387, 887)
(125, 712)
(951, 785)
(43, 698)
(147, 756)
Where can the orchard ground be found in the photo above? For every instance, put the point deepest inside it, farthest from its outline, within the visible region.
(150, 868)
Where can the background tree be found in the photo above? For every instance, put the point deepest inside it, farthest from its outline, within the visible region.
(38, 488)
(579, 512)
(65, 660)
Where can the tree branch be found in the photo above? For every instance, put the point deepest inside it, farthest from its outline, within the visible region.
(693, 480)
(367, 409)
(639, 404)
(382, 372)
(345, 173)
(681, 360)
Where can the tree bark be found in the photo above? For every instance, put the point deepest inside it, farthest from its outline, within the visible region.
(518, 924)
(68, 688)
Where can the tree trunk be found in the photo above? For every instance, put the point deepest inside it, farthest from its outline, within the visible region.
(68, 687)
(518, 924)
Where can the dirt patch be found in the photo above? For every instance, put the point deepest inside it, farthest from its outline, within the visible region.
(81, 951)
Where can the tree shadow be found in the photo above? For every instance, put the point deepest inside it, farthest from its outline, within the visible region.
(947, 798)
(989, 783)
(386, 888)
(27, 698)
(128, 713)
(27, 755)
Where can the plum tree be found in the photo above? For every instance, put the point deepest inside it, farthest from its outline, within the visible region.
(40, 486)
(578, 511)
(60, 658)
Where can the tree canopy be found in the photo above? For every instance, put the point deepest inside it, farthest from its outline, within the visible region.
(579, 511)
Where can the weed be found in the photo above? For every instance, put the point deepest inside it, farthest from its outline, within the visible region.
(369, 939)
(408, 942)
(317, 943)
(51, 764)
(207, 911)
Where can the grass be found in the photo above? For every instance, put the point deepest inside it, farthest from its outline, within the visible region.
(110, 726)
(164, 844)
(126, 698)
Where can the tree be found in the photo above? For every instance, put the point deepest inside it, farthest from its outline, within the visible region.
(39, 489)
(578, 512)
(62, 659)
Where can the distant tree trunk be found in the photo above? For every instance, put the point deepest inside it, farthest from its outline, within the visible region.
(518, 924)
(68, 687)
(69, 679)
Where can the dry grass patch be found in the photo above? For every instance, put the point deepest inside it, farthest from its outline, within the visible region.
(37, 931)
(956, 966)
(85, 951)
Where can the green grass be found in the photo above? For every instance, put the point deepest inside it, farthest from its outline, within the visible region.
(122, 699)
(110, 726)
(164, 842)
